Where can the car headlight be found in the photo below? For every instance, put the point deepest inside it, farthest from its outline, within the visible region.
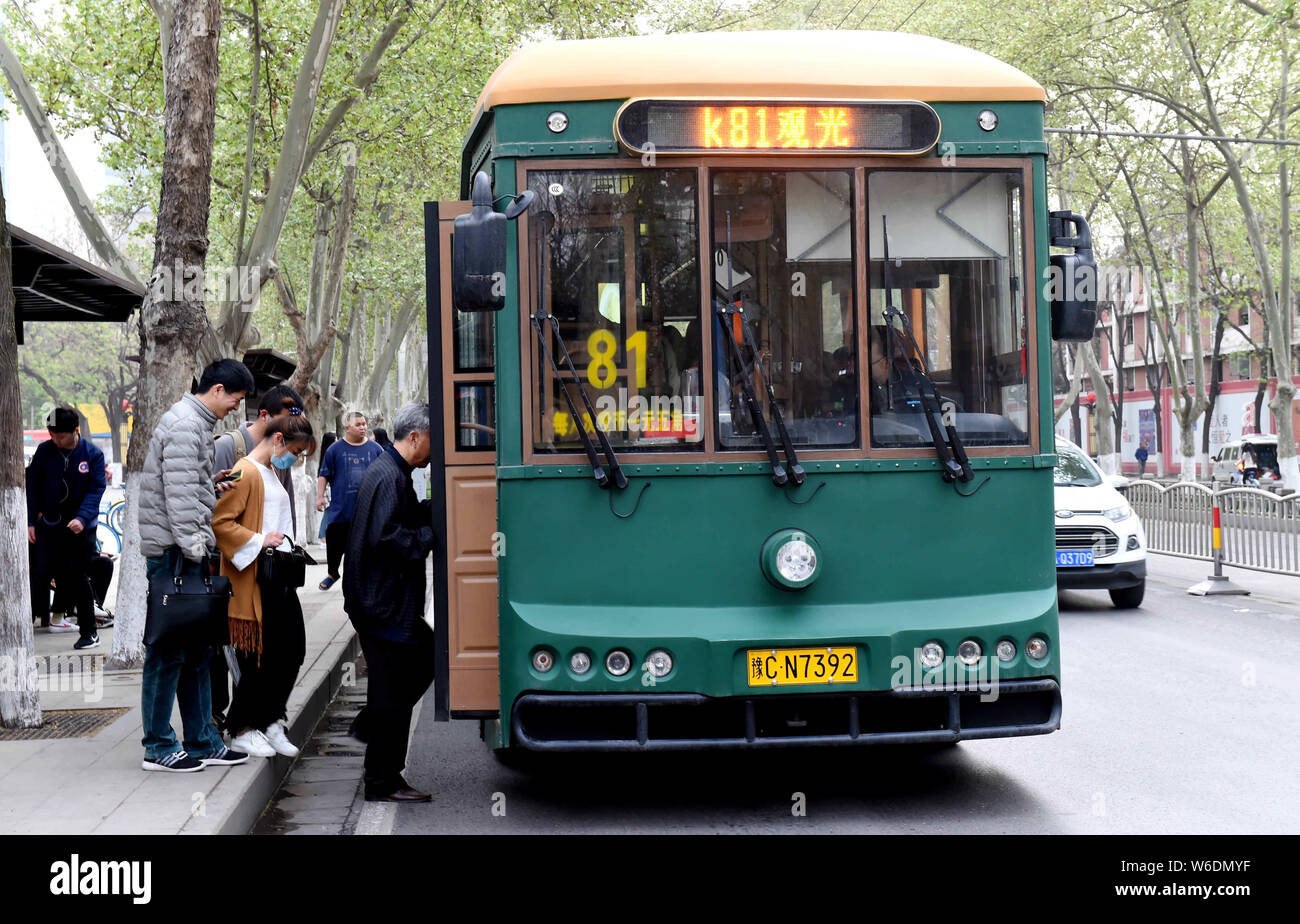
(1122, 512)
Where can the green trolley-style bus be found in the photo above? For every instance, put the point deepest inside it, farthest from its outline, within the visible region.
(742, 407)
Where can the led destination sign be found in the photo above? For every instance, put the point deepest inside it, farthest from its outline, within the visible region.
(668, 126)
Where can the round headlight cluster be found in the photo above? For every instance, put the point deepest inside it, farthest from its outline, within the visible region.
(796, 561)
(790, 559)
(543, 660)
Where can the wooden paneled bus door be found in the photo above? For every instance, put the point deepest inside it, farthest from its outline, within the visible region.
(463, 482)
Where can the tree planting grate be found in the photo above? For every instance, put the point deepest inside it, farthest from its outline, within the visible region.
(66, 723)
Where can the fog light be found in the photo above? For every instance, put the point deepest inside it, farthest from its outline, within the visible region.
(543, 660)
(1132, 543)
(659, 662)
(580, 662)
(1006, 650)
(1036, 648)
(969, 652)
(618, 662)
(931, 654)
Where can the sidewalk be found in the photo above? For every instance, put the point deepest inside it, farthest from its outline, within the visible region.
(1173, 571)
(94, 784)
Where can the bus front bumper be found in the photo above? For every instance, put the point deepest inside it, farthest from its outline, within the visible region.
(691, 721)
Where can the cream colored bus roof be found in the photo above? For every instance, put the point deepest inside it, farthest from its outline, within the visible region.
(801, 64)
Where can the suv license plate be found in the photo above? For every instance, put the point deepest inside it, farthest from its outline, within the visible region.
(1074, 558)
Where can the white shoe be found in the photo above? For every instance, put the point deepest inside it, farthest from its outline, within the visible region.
(59, 623)
(252, 742)
(277, 739)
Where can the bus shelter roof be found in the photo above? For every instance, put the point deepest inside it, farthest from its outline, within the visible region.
(51, 284)
(797, 64)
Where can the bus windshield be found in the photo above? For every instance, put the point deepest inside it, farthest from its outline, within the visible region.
(783, 250)
(956, 265)
(622, 279)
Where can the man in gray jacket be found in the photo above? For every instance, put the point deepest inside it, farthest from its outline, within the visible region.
(177, 497)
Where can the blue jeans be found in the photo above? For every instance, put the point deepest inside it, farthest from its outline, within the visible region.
(172, 673)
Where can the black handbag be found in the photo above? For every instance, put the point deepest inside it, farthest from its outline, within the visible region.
(187, 609)
(283, 569)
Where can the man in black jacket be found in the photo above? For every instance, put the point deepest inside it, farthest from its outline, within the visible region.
(65, 484)
(383, 594)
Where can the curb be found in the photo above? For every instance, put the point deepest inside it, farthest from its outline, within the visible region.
(244, 797)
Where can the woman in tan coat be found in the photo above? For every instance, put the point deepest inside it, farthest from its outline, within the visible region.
(266, 624)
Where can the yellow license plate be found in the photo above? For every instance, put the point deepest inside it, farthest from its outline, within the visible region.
(774, 667)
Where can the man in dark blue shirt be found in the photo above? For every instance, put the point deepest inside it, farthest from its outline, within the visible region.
(65, 483)
(344, 464)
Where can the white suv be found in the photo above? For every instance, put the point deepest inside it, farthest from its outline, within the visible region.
(1100, 543)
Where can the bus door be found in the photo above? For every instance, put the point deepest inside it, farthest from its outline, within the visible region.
(462, 415)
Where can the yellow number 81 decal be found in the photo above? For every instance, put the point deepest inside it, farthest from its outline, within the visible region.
(601, 346)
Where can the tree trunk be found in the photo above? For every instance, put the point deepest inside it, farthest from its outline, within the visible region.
(1106, 456)
(237, 313)
(170, 331)
(20, 703)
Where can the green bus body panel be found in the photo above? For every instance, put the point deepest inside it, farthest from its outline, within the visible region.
(906, 560)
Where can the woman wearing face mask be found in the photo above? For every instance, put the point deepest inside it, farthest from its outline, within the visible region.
(266, 625)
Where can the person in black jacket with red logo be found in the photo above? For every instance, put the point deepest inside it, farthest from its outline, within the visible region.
(65, 483)
(383, 594)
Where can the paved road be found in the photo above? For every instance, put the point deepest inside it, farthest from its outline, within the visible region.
(1179, 717)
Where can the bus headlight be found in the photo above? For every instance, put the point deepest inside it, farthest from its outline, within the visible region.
(659, 663)
(1036, 648)
(931, 654)
(790, 559)
(580, 662)
(969, 652)
(618, 662)
(1006, 650)
(543, 660)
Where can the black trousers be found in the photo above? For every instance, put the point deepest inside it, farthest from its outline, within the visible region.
(100, 571)
(64, 556)
(264, 687)
(399, 673)
(336, 543)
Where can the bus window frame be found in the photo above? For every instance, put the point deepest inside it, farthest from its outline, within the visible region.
(709, 451)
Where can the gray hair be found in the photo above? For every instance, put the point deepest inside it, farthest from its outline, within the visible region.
(352, 415)
(413, 418)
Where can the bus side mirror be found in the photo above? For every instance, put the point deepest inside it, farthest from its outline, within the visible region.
(1072, 278)
(478, 249)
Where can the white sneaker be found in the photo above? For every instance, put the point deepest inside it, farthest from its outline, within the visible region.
(59, 623)
(275, 736)
(252, 742)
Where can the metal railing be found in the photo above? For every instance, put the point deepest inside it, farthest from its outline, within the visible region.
(1260, 530)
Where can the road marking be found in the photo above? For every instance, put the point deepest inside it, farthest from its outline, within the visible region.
(377, 818)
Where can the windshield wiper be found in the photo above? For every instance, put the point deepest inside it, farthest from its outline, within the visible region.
(954, 464)
(541, 314)
(731, 314)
